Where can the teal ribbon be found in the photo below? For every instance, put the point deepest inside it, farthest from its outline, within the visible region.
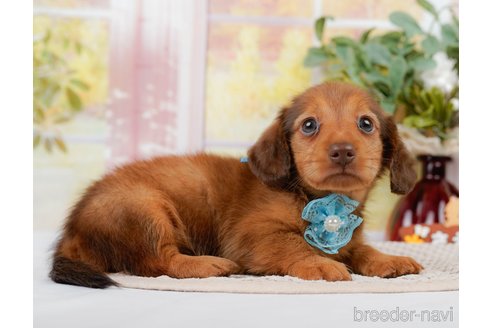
(331, 222)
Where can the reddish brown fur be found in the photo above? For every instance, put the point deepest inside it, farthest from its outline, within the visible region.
(205, 215)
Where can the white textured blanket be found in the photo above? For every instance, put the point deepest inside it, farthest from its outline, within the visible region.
(440, 274)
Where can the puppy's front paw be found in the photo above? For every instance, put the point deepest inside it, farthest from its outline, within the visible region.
(389, 266)
(320, 268)
(185, 266)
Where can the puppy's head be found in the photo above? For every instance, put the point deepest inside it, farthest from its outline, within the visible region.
(333, 137)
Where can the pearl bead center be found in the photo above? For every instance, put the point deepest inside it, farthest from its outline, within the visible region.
(332, 223)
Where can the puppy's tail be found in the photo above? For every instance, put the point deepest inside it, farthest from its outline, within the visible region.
(71, 272)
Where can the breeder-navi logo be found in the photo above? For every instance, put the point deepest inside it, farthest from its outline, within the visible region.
(398, 314)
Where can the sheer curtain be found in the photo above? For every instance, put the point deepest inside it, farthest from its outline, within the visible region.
(157, 68)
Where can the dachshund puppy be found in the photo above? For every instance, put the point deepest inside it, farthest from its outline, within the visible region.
(204, 215)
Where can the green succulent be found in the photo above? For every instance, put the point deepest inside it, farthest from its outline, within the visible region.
(431, 111)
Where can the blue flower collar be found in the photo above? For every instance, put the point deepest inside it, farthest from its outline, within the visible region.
(331, 222)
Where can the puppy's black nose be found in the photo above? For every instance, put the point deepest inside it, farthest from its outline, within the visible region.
(341, 153)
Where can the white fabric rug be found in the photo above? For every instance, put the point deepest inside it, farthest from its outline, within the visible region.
(440, 274)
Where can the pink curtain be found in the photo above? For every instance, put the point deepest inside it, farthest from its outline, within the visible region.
(157, 68)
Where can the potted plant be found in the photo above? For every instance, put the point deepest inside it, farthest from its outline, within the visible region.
(414, 75)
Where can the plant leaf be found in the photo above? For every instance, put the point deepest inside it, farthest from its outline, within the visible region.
(423, 64)
(61, 145)
(455, 19)
(374, 77)
(38, 114)
(363, 60)
(47, 145)
(406, 49)
(383, 88)
(454, 53)
(63, 119)
(50, 93)
(428, 7)
(319, 26)
(378, 54)
(365, 36)
(449, 35)
(454, 93)
(315, 57)
(79, 47)
(47, 37)
(419, 122)
(397, 71)
(36, 140)
(73, 99)
(80, 84)
(430, 45)
(388, 106)
(344, 41)
(406, 22)
(392, 37)
(347, 56)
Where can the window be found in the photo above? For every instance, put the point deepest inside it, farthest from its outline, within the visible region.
(255, 59)
(78, 32)
(143, 98)
(169, 76)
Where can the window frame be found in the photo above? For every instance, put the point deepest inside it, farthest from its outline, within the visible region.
(193, 119)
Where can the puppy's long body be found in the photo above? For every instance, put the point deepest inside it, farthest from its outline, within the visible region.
(204, 215)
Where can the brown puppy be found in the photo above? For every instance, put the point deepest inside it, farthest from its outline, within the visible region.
(205, 215)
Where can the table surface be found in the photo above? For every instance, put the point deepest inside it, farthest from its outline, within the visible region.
(64, 306)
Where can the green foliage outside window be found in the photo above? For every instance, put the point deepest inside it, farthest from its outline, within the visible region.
(69, 75)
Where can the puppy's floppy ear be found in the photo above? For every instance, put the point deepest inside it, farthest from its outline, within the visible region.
(269, 158)
(397, 159)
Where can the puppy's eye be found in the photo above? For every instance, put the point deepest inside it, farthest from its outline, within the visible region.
(309, 127)
(365, 124)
